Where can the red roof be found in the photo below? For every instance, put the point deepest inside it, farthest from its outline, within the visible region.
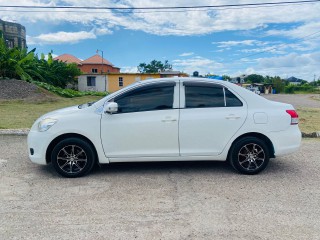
(96, 59)
(68, 58)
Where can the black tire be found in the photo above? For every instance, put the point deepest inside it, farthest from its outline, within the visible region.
(249, 155)
(73, 157)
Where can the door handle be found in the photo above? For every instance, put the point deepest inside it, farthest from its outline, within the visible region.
(232, 117)
(168, 120)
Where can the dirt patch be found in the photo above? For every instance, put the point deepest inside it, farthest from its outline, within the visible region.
(21, 90)
(297, 100)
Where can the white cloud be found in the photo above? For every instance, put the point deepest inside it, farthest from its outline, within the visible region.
(228, 44)
(186, 54)
(197, 63)
(129, 69)
(299, 65)
(299, 32)
(53, 56)
(102, 31)
(167, 23)
(60, 38)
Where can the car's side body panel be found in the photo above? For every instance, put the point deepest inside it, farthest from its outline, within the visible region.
(177, 134)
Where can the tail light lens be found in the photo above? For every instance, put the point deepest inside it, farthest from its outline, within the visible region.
(294, 116)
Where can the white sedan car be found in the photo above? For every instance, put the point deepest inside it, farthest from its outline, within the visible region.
(169, 119)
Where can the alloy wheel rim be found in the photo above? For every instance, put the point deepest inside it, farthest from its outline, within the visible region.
(72, 159)
(251, 156)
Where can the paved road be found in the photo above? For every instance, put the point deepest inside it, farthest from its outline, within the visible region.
(202, 200)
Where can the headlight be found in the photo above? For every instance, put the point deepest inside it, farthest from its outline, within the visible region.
(46, 123)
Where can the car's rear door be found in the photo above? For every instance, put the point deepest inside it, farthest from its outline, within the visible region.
(210, 115)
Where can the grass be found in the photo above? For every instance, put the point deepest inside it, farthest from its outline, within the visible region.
(22, 114)
(309, 119)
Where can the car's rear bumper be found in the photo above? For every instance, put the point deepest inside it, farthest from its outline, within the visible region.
(286, 142)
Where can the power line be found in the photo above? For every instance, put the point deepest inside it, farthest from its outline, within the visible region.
(163, 8)
(141, 11)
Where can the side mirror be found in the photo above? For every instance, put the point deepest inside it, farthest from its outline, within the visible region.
(110, 107)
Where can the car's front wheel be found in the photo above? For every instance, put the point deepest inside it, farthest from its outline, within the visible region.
(249, 155)
(73, 157)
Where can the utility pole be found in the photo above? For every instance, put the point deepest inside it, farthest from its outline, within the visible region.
(105, 76)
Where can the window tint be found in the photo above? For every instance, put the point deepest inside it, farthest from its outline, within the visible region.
(204, 96)
(147, 98)
(232, 100)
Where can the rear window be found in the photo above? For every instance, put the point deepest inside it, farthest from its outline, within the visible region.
(204, 97)
(208, 95)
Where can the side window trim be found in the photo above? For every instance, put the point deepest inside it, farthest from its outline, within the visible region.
(206, 84)
(132, 92)
(237, 97)
(163, 84)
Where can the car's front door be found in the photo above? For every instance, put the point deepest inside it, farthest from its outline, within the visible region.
(211, 115)
(146, 124)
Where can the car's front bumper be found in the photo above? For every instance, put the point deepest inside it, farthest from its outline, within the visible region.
(38, 143)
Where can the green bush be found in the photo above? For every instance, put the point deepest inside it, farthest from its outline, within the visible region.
(304, 88)
(289, 89)
(68, 93)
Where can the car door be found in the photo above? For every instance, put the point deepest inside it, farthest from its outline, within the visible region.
(211, 114)
(146, 124)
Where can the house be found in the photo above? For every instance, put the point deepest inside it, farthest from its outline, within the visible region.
(166, 74)
(68, 58)
(93, 64)
(99, 74)
(97, 64)
(111, 82)
(294, 81)
(14, 34)
(238, 80)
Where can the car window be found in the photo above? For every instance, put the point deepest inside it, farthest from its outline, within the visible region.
(232, 100)
(147, 98)
(204, 96)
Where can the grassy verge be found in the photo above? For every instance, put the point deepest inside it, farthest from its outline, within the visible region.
(22, 114)
(309, 119)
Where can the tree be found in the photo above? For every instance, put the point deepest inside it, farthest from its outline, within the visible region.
(278, 84)
(226, 77)
(154, 67)
(17, 63)
(20, 64)
(254, 78)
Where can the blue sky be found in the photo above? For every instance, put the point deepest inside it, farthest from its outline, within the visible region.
(281, 40)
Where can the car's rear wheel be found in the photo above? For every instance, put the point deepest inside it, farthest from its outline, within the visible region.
(249, 155)
(73, 157)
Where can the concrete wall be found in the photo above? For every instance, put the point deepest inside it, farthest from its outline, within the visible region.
(100, 83)
(14, 34)
(87, 68)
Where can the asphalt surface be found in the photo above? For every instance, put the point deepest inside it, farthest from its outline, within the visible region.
(186, 200)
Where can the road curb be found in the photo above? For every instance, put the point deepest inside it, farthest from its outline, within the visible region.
(25, 131)
(17, 132)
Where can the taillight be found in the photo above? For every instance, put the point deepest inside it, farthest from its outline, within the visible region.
(294, 116)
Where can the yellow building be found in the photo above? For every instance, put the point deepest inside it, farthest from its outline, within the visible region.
(111, 82)
(117, 81)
